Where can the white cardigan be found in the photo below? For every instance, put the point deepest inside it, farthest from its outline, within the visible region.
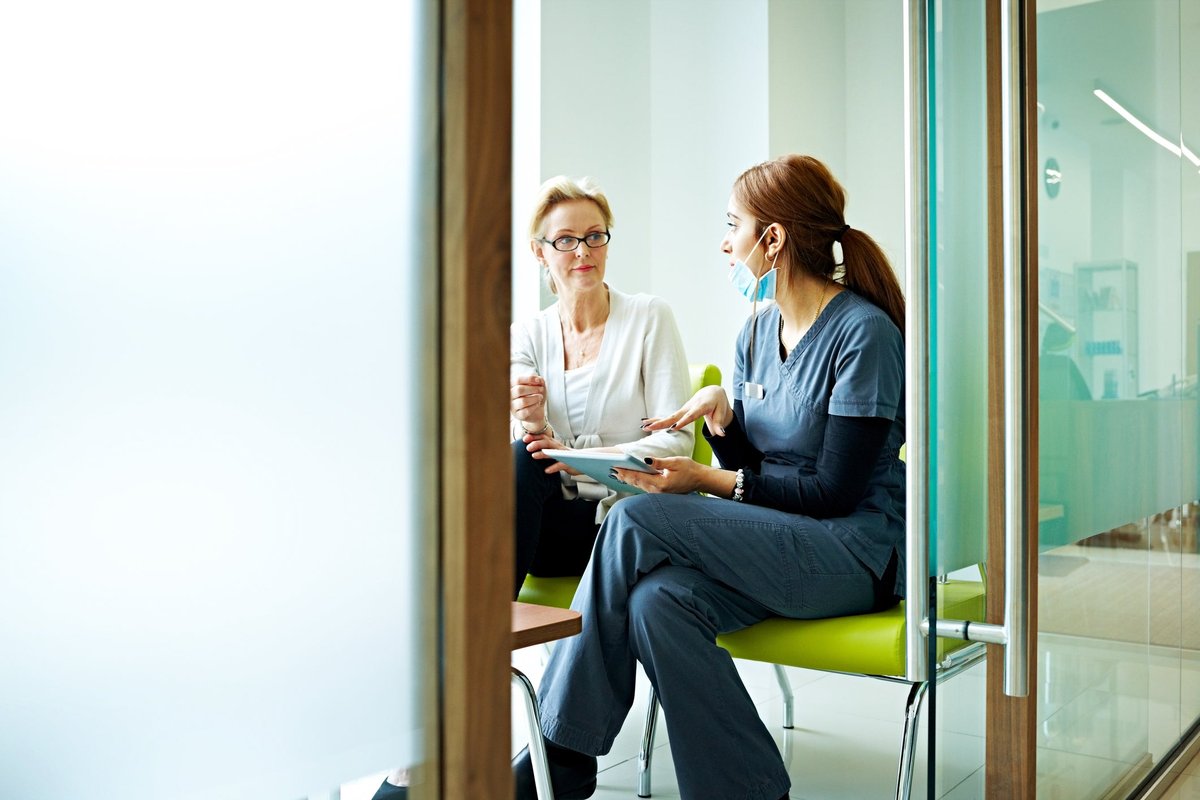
(641, 372)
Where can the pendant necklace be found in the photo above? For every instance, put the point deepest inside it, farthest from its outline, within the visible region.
(783, 350)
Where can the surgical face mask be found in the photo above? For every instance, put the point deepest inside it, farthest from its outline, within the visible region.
(750, 286)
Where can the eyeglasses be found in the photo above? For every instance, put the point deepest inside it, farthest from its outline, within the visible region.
(567, 244)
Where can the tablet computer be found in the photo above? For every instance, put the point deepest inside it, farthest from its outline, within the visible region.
(596, 466)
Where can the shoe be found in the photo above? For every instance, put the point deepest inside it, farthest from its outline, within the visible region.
(572, 774)
(390, 791)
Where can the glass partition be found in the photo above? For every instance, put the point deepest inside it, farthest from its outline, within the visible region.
(213, 299)
(1189, 229)
(1118, 390)
(959, 390)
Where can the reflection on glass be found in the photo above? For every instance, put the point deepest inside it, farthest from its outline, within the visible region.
(1118, 400)
(1189, 550)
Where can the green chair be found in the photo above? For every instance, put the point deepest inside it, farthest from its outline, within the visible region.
(559, 592)
(871, 645)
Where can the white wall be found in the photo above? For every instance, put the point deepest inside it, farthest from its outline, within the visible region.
(595, 104)
(874, 170)
(808, 80)
(526, 149)
(837, 93)
(710, 115)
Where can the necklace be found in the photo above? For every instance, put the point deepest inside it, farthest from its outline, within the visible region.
(578, 346)
(820, 303)
(783, 349)
(581, 345)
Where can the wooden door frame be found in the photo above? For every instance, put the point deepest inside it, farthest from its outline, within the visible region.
(1011, 748)
(476, 497)
(473, 712)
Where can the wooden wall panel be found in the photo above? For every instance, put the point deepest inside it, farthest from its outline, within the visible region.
(477, 495)
(1011, 770)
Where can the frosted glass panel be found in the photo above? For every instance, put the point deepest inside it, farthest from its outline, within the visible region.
(210, 317)
(958, 386)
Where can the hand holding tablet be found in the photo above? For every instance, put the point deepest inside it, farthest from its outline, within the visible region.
(596, 466)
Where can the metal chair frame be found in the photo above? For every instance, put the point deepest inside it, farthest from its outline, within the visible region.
(954, 663)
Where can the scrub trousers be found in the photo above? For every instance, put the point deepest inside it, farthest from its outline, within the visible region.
(667, 575)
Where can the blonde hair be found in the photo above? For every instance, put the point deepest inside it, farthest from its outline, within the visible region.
(561, 189)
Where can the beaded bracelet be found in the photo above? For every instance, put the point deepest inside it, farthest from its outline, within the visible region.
(739, 488)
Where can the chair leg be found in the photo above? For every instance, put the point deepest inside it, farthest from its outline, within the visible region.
(643, 767)
(908, 745)
(785, 686)
(537, 745)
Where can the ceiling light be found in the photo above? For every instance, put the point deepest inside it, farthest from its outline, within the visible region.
(1177, 150)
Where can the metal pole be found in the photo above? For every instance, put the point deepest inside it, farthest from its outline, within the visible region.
(916, 336)
(1013, 232)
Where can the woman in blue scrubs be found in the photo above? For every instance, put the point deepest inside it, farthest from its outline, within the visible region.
(804, 518)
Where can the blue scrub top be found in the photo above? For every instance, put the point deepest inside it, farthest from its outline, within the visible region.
(851, 364)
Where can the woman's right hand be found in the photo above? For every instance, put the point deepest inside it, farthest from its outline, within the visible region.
(710, 402)
(527, 401)
(536, 444)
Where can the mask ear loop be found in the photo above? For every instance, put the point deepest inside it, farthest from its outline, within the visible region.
(754, 306)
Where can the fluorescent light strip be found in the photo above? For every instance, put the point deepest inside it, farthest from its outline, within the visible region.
(1154, 135)
(1178, 150)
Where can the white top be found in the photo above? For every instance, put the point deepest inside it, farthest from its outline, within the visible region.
(641, 372)
(578, 381)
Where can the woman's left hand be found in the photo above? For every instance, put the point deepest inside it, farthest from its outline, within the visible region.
(674, 475)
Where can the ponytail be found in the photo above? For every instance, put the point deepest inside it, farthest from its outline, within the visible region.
(866, 272)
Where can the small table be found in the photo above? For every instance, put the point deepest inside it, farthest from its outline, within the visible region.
(532, 625)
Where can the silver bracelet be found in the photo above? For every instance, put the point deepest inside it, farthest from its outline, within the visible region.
(739, 488)
(545, 428)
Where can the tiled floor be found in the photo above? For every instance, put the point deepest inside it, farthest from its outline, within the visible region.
(1106, 710)
(1119, 672)
(1119, 680)
(1103, 706)
(845, 744)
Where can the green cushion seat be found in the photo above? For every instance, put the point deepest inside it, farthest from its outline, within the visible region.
(556, 592)
(868, 644)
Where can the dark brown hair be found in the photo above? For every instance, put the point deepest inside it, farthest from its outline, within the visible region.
(801, 194)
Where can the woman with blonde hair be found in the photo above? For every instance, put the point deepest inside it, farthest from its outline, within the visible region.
(804, 518)
(586, 373)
